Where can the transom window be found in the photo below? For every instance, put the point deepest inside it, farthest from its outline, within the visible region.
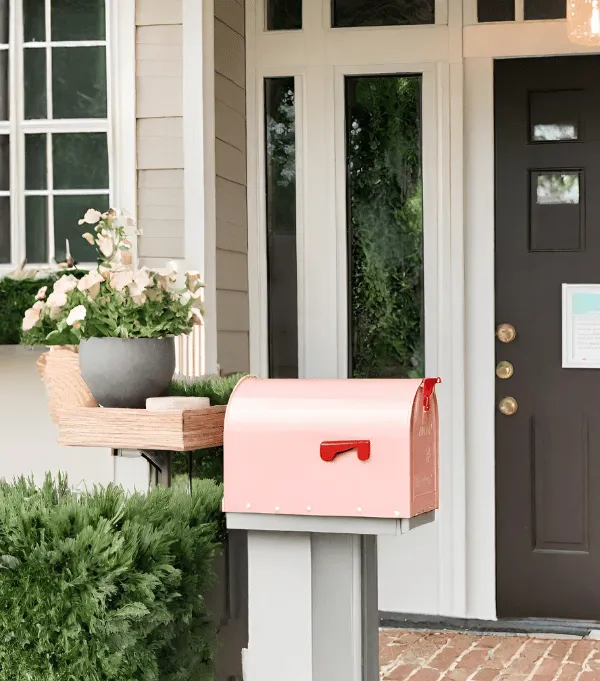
(54, 126)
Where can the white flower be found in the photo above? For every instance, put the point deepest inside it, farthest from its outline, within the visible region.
(41, 294)
(105, 244)
(143, 278)
(139, 300)
(197, 315)
(89, 238)
(57, 299)
(91, 283)
(185, 297)
(120, 279)
(172, 267)
(32, 316)
(91, 217)
(65, 284)
(77, 314)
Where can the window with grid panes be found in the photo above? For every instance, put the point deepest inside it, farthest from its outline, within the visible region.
(54, 126)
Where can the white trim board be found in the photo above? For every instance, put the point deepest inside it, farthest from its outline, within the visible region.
(199, 160)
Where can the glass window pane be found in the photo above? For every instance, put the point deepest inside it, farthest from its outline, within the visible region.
(4, 13)
(36, 229)
(4, 230)
(4, 94)
(34, 21)
(80, 160)
(79, 82)
(284, 15)
(545, 9)
(35, 82)
(36, 169)
(554, 132)
(280, 138)
(68, 210)
(556, 189)
(4, 163)
(347, 13)
(78, 20)
(495, 10)
(385, 226)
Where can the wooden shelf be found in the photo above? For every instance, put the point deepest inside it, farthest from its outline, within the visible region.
(177, 431)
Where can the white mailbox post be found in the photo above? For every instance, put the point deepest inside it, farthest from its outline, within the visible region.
(315, 470)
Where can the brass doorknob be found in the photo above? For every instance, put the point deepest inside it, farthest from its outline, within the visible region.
(506, 333)
(504, 369)
(508, 406)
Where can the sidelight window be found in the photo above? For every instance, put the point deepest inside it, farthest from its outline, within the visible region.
(384, 226)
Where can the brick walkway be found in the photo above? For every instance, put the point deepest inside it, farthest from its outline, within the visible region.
(445, 655)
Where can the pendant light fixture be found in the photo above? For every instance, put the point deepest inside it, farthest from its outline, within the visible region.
(583, 22)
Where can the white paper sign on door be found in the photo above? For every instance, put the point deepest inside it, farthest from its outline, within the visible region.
(581, 326)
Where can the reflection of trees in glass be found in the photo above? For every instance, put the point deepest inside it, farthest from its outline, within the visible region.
(385, 226)
(383, 12)
(281, 138)
(558, 189)
(554, 132)
(281, 227)
(284, 15)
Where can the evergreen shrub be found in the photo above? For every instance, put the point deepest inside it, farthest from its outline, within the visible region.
(105, 586)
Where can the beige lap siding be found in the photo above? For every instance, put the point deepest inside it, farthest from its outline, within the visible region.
(230, 156)
(159, 64)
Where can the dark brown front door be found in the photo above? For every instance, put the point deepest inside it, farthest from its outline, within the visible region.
(547, 123)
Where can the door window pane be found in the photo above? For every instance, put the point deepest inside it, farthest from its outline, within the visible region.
(495, 10)
(36, 169)
(556, 189)
(4, 163)
(80, 161)
(385, 226)
(545, 9)
(78, 20)
(4, 14)
(35, 82)
(280, 155)
(4, 230)
(554, 132)
(36, 229)
(34, 21)
(353, 13)
(284, 15)
(67, 213)
(79, 82)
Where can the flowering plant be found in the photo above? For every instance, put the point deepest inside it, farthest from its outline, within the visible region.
(114, 300)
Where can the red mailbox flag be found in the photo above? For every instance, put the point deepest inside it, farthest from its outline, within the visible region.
(329, 450)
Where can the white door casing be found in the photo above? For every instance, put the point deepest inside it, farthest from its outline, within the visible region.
(425, 573)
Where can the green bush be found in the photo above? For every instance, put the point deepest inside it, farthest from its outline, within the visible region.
(203, 463)
(104, 586)
(16, 296)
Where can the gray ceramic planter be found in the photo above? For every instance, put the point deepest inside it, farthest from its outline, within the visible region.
(124, 372)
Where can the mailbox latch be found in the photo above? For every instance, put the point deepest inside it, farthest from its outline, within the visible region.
(329, 450)
(428, 390)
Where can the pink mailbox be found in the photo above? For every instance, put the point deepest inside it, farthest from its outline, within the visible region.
(354, 447)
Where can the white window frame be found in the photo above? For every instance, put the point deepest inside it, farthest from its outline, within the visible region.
(119, 125)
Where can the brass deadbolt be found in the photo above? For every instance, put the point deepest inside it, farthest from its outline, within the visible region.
(508, 406)
(504, 369)
(506, 333)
